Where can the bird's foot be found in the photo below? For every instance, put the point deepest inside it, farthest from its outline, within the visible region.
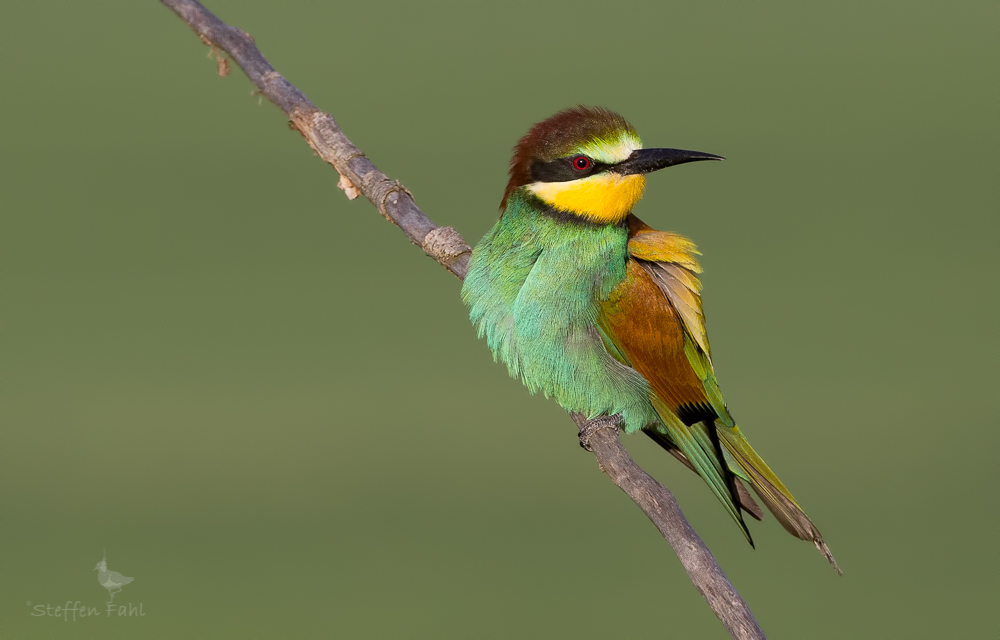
(588, 428)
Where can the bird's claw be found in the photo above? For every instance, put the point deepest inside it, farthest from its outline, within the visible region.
(590, 427)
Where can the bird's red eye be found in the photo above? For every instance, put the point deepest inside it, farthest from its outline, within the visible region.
(581, 163)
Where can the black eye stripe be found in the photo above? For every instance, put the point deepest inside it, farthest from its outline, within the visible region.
(562, 169)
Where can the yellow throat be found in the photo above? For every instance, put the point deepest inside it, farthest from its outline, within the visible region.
(605, 197)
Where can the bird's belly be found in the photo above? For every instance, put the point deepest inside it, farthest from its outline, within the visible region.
(556, 347)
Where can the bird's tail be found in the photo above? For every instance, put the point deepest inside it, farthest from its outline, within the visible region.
(699, 448)
(745, 463)
(746, 501)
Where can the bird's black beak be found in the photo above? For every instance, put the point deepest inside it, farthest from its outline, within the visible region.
(647, 160)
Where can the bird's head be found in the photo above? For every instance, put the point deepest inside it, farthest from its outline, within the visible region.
(101, 566)
(588, 162)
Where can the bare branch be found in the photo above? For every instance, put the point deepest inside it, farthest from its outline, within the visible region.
(320, 130)
(446, 246)
(600, 436)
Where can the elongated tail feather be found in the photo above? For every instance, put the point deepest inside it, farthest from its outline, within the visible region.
(746, 501)
(775, 495)
(705, 461)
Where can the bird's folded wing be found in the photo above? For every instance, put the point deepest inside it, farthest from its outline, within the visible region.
(668, 261)
(654, 322)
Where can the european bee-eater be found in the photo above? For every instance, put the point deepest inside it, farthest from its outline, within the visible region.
(585, 303)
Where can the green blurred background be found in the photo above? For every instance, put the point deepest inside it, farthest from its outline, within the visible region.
(270, 409)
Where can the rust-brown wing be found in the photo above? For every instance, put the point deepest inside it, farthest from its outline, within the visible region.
(655, 323)
(649, 333)
(655, 319)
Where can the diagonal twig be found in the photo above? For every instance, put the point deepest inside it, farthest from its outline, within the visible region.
(357, 173)
(358, 176)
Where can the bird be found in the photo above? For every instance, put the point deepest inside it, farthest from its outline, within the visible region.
(110, 580)
(586, 304)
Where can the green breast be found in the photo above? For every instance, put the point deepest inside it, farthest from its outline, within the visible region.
(533, 288)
